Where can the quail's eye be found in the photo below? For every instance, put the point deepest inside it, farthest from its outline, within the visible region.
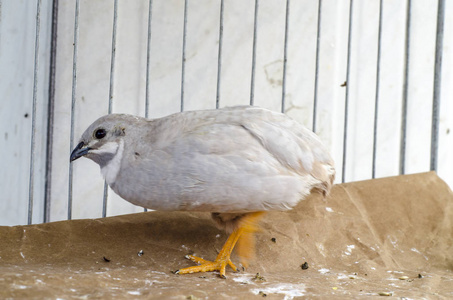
(100, 133)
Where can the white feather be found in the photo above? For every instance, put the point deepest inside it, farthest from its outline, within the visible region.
(111, 169)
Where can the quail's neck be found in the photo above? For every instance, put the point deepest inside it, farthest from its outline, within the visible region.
(112, 167)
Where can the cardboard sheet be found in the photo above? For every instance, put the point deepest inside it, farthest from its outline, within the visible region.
(390, 236)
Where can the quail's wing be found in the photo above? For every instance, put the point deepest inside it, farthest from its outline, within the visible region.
(233, 129)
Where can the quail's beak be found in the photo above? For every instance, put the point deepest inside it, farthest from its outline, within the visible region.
(79, 151)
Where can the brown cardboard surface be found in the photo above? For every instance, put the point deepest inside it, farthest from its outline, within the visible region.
(368, 237)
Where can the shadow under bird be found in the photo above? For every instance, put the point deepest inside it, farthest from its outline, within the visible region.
(236, 163)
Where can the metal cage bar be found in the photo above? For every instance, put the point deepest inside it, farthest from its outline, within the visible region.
(285, 56)
(346, 101)
(50, 113)
(318, 40)
(113, 57)
(402, 164)
(148, 59)
(255, 37)
(437, 84)
(376, 100)
(219, 57)
(183, 66)
(33, 119)
(73, 102)
(111, 93)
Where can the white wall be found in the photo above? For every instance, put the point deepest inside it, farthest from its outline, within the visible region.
(93, 74)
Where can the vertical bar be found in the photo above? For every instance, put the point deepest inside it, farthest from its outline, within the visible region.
(183, 69)
(104, 200)
(346, 102)
(437, 84)
(318, 39)
(219, 62)
(402, 165)
(285, 56)
(50, 112)
(33, 120)
(148, 58)
(376, 101)
(73, 100)
(255, 36)
(112, 62)
(111, 90)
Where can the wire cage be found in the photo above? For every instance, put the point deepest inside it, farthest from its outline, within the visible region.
(372, 78)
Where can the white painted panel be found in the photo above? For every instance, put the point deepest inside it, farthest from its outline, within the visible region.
(390, 88)
(202, 49)
(332, 75)
(269, 54)
(362, 89)
(166, 57)
(17, 56)
(421, 66)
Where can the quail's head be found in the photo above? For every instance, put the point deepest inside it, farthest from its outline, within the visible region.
(102, 139)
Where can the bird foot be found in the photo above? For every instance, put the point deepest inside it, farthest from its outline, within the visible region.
(208, 266)
(223, 258)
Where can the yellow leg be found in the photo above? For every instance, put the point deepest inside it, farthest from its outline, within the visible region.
(247, 227)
